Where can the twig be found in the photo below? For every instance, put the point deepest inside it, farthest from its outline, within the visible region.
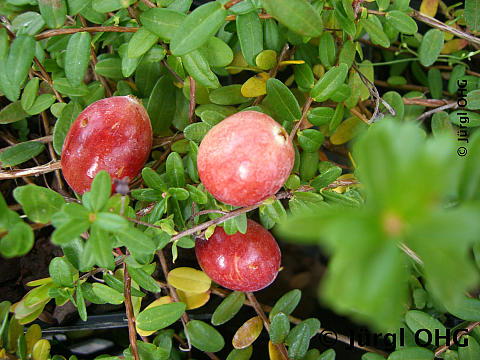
(179, 79)
(44, 140)
(308, 102)
(374, 94)
(258, 309)
(149, 3)
(204, 212)
(48, 79)
(90, 29)
(132, 332)
(229, 4)
(261, 16)
(191, 109)
(438, 109)
(34, 171)
(445, 347)
(94, 62)
(440, 25)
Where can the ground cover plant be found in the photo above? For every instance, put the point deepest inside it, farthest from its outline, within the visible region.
(168, 159)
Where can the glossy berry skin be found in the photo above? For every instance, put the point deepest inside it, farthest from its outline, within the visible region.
(245, 158)
(112, 134)
(242, 262)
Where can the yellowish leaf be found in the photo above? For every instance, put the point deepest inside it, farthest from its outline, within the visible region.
(274, 353)
(256, 85)
(238, 61)
(453, 45)
(266, 60)
(193, 300)
(210, 230)
(39, 282)
(346, 131)
(429, 7)
(160, 301)
(33, 334)
(247, 333)
(189, 279)
(41, 350)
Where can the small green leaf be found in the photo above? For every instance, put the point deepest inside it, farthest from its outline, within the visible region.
(63, 86)
(82, 310)
(240, 354)
(67, 117)
(376, 33)
(286, 304)
(250, 36)
(139, 244)
(308, 165)
(159, 317)
(310, 139)
(472, 14)
(18, 241)
(41, 349)
(198, 68)
(196, 131)
(402, 22)
(39, 203)
(30, 93)
(107, 294)
(22, 50)
(329, 83)
(100, 190)
(298, 341)
(204, 336)
(228, 308)
(410, 353)
(77, 57)
(430, 47)
(304, 76)
(216, 52)
(20, 153)
(197, 28)
(28, 23)
(42, 103)
(110, 67)
(279, 328)
(417, 320)
(62, 272)
(141, 42)
(470, 352)
(320, 116)
(54, 12)
(104, 6)
(162, 22)
(298, 15)
(276, 211)
(327, 49)
(145, 281)
(326, 178)
(283, 101)
(227, 95)
(473, 100)
(111, 222)
(465, 118)
(175, 170)
(69, 231)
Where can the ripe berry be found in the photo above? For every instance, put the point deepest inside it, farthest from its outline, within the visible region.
(242, 262)
(112, 134)
(245, 159)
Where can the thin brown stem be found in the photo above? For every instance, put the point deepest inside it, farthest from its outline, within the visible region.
(149, 3)
(229, 4)
(451, 342)
(438, 109)
(90, 29)
(191, 109)
(47, 78)
(440, 25)
(132, 332)
(261, 16)
(306, 107)
(34, 171)
(179, 79)
(51, 151)
(259, 310)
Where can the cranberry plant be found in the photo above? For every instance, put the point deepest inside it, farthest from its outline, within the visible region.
(380, 100)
